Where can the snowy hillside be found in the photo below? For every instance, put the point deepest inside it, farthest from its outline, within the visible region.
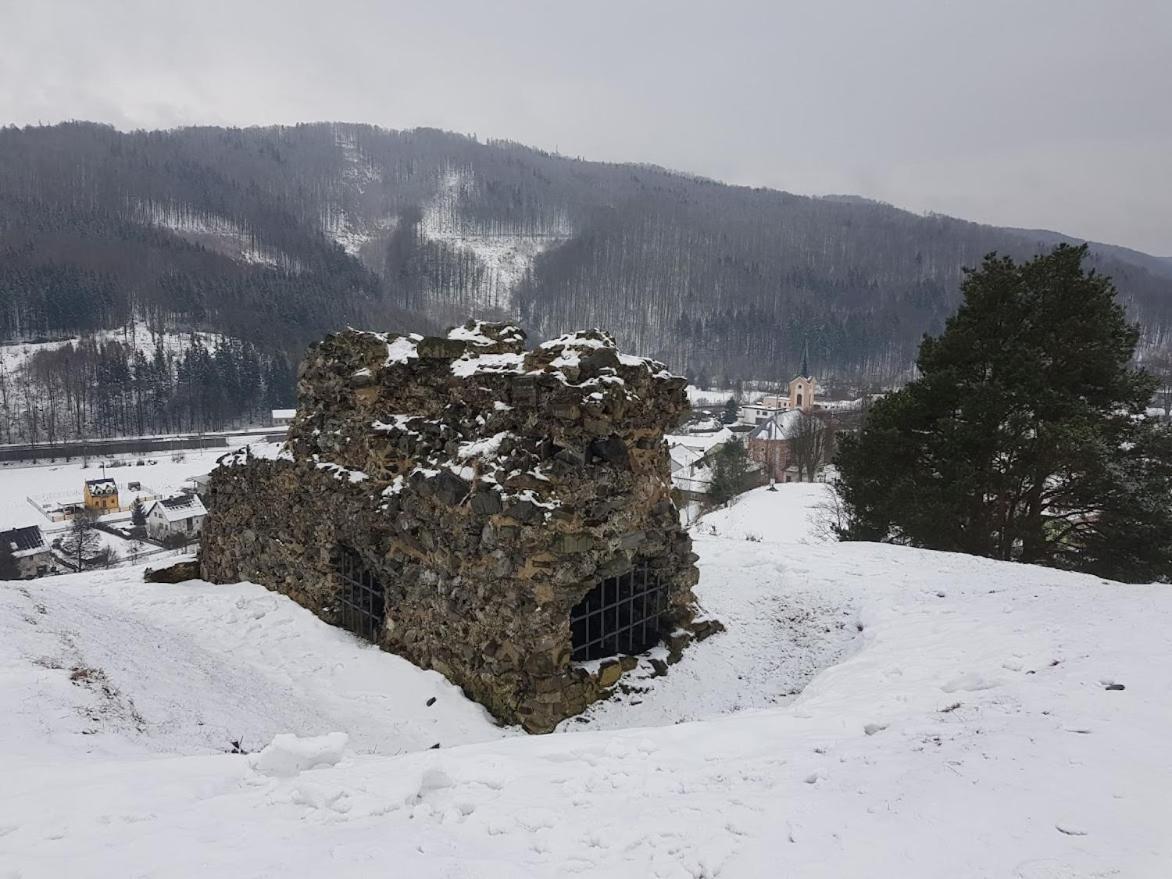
(137, 336)
(960, 717)
(505, 256)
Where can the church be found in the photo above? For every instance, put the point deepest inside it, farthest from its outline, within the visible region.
(770, 443)
(799, 397)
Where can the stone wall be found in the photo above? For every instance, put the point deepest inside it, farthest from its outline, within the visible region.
(487, 487)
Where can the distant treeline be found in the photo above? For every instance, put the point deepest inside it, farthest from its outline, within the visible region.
(89, 389)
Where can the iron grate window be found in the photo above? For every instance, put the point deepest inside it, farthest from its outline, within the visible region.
(620, 615)
(361, 600)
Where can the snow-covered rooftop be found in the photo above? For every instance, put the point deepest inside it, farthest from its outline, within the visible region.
(699, 442)
(783, 426)
(178, 508)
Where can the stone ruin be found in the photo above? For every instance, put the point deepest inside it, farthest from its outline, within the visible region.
(499, 515)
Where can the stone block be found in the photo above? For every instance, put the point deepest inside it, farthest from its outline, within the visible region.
(609, 673)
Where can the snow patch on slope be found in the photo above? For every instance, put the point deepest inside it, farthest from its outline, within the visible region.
(359, 173)
(352, 235)
(215, 232)
(506, 257)
(138, 335)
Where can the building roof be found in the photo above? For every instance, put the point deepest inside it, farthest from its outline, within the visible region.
(284, 413)
(771, 401)
(178, 508)
(24, 541)
(699, 442)
(783, 426)
(682, 456)
(106, 485)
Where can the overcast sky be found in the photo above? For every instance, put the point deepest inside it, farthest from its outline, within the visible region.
(1037, 113)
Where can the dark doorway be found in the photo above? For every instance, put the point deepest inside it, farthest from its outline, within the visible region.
(361, 600)
(620, 615)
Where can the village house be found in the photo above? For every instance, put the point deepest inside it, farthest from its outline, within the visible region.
(763, 410)
(775, 445)
(33, 557)
(182, 515)
(799, 396)
(101, 495)
(691, 472)
(770, 445)
(282, 417)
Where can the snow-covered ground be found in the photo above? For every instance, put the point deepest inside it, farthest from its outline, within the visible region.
(63, 481)
(960, 718)
(720, 396)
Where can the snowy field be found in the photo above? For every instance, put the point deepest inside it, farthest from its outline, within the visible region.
(959, 718)
(63, 481)
(720, 396)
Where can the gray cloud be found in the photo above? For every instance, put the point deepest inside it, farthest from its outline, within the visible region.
(1037, 113)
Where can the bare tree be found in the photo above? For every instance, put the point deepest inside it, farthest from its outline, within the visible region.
(107, 557)
(830, 517)
(1160, 366)
(82, 543)
(810, 445)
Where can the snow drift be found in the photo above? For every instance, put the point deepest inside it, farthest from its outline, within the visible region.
(872, 710)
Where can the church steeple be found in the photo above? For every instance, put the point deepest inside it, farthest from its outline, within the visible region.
(803, 386)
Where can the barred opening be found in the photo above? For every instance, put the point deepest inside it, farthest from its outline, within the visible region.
(361, 600)
(621, 614)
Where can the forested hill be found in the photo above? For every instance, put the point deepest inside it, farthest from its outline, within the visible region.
(277, 235)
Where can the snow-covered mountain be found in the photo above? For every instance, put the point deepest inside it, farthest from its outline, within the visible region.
(278, 235)
(871, 711)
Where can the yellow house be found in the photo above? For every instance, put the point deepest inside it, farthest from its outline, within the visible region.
(101, 495)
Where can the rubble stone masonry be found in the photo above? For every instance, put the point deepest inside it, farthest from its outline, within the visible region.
(486, 489)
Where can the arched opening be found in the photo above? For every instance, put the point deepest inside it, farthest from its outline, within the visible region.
(799, 399)
(621, 615)
(361, 604)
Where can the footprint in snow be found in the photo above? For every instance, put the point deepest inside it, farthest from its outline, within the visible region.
(969, 683)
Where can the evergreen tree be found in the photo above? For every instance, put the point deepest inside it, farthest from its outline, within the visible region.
(138, 515)
(9, 569)
(729, 415)
(1024, 436)
(730, 472)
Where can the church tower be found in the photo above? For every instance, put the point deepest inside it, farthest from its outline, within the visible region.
(803, 386)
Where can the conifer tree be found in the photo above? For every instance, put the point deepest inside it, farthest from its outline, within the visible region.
(729, 415)
(730, 472)
(9, 569)
(1024, 436)
(138, 514)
